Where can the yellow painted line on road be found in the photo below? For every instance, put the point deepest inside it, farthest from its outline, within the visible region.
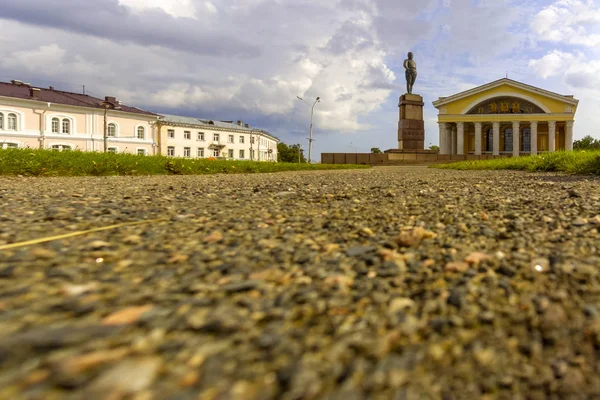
(79, 233)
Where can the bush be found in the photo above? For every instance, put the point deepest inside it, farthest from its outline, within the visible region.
(30, 162)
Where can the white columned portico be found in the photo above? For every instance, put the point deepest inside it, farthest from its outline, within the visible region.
(453, 140)
(551, 136)
(533, 126)
(569, 136)
(460, 138)
(496, 137)
(516, 135)
(477, 138)
(443, 137)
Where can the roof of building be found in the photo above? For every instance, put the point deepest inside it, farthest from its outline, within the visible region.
(25, 91)
(208, 123)
(448, 99)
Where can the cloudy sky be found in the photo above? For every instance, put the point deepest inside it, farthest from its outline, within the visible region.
(249, 59)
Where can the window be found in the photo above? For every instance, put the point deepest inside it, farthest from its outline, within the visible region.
(111, 130)
(142, 152)
(55, 125)
(12, 122)
(141, 132)
(9, 145)
(201, 152)
(171, 151)
(216, 137)
(113, 150)
(241, 139)
(62, 147)
(216, 153)
(230, 139)
(241, 153)
(526, 142)
(66, 126)
(201, 136)
(1, 121)
(187, 135)
(186, 151)
(171, 133)
(230, 153)
(489, 140)
(508, 139)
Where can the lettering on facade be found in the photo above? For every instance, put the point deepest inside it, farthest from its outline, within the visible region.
(506, 105)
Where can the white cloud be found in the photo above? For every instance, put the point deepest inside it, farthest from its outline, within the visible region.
(574, 22)
(36, 58)
(175, 8)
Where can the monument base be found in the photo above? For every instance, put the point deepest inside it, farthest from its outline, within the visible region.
(411, 127)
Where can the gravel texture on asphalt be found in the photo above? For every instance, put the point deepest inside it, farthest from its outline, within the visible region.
(388, 283)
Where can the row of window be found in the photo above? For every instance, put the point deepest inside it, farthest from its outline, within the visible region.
(11, 121)
(200, 136)
(200, 153)
(111, 131)
(65, 147)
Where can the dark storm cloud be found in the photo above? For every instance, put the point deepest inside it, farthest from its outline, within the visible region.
(108, 19)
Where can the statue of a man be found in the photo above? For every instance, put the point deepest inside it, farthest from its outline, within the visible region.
(411, 72)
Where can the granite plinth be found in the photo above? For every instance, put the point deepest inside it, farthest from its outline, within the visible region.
(411, 127)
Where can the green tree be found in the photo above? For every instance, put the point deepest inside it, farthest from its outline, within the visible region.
(290, 153)
(587, 143)
(375, 150)
(434, 147)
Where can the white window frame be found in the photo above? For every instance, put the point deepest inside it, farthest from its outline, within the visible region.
(169, 148)
(2, 121)
(216, 153)
(69, 126)
(110, 149)
(216, 137)
(200, 152)
(4, 144)
(242, 139)
(145, 150)
(231, 139)
(116, 129)
(169, 132)
(242, 153)
(137, 134)
(230, 153)
(187, 135)
(187, 150)
(61, 146)
(61, 117)
(52, 121)
(200, 137)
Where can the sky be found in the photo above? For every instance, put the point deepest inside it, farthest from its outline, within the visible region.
(249, 59)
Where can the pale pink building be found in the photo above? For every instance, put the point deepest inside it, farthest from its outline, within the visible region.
(53, 119)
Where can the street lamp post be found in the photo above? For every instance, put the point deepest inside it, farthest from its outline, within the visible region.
(312, 110)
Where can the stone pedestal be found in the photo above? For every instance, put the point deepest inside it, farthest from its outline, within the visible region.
(411, 127)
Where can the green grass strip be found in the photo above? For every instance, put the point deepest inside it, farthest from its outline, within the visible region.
(573, 162)
(29, 162)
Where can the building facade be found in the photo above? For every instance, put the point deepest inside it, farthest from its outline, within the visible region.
(46, 118)
(505, 117)
(198, 138)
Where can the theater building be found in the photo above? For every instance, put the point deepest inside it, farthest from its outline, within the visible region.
(505, 117)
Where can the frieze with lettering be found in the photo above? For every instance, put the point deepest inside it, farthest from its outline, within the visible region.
(506, 105)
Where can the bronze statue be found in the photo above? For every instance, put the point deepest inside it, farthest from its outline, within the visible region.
(411, 72)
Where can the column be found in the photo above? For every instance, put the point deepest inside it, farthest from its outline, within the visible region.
(569, 136)
(477, 138)
(551, 136)
(533, 125)
(460, 138)
(453, 140)
(496, 137)
(443, 137)
(516, 135)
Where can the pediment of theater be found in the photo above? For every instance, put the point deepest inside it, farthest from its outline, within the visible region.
(506, 96)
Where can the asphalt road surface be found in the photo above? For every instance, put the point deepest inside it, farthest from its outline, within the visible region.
(388, 283)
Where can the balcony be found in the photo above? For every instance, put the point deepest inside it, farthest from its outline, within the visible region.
(216, 144)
